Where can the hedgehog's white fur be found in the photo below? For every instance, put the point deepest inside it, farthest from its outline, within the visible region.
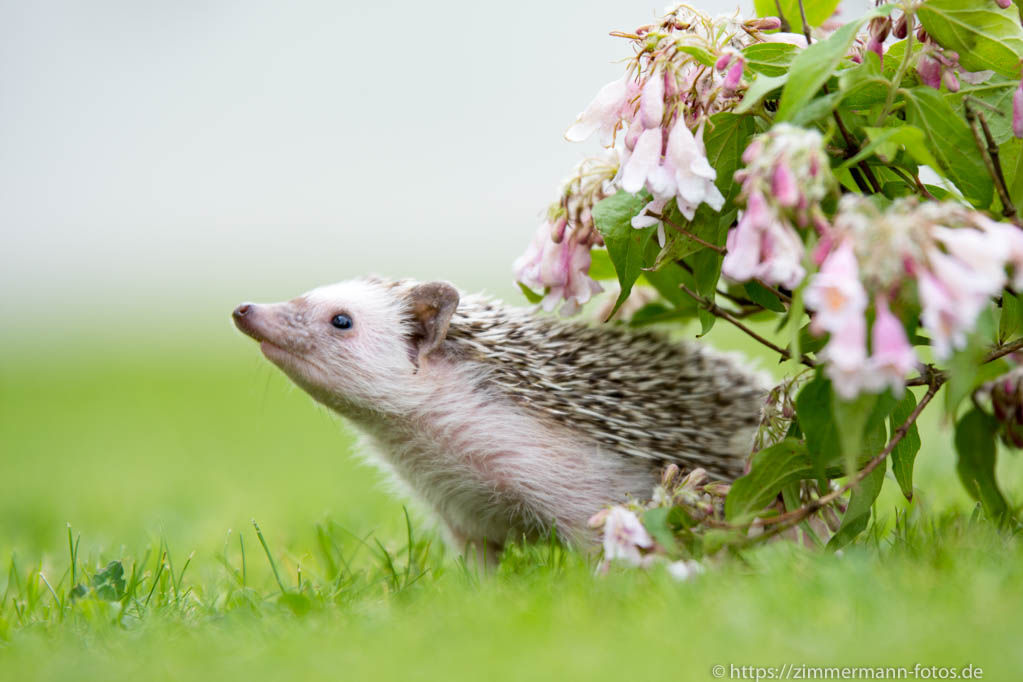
(478, 430)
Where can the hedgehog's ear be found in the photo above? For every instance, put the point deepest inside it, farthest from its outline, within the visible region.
(433, 304)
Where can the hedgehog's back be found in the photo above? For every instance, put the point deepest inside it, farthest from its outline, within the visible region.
(636, 393)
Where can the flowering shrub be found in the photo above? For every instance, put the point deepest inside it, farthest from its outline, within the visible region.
(845, 193)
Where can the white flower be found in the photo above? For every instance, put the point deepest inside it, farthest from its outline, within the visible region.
(602, 114)
(951, 301)
(686, 161)
(625, 536)
(684, 569)
(643, 160)
(984, 252)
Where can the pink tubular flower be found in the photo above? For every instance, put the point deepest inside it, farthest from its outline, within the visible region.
(930, 71)
(785, 179)
(835, 293)
(561, 269)
(984, 252)
(743, 242)
(846, 355)
(892, 357)
(783, 186)
(951, 302)
(1004, 4)
(761, 246)
(1010, 240)
(1017, 111)
(734, 74)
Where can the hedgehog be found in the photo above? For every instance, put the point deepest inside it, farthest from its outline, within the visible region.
(504, 423)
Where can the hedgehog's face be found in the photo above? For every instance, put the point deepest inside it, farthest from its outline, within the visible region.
(355, 344)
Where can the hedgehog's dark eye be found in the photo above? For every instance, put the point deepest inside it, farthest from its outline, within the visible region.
(342, 321)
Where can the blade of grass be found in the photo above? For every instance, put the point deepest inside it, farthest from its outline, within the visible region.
(273, 566)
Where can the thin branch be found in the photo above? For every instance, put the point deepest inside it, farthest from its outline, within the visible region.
(689, 235)
(1002, 351)
(806, 26)
(718, 311)
(777, 292)
(930, 373)
(1008, 210)
(989, 154)
(913, 181)
(899, 74)
(789, 519)
(785, 26)
(853, 148)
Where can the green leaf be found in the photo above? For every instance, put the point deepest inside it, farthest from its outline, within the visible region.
(667, 280)
(1010, 323)
(761, 295)
(702, 55)
(625, 244)
(852, 419)
(770, 59)
(1011, 156)
(975, 445)
(984, 35)
(771, 469)
(812, 68)
(904, 453)
(817, 11)
(601, 266)
(706, 272)
(724, 140)
(109, 583)
(658, 313)
(864, 85)
(997, 95)
(530, 295)
(656, 522)
(951, 142)
(885, 143)
(857, 513)
(810, 342)
(817, 422)
(966, 368)
(762, 86)
(816, 109)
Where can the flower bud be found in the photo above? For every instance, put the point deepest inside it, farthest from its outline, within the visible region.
(950, 81)
(1006, 394)
(901, 28)
(765, 23)
(669, 475)
(734, 75)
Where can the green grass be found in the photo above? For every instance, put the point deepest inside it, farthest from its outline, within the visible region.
(170, 449)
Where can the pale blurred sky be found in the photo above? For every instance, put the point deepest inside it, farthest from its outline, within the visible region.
(165, 158)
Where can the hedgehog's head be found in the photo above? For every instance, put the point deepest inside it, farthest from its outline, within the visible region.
(357, 344)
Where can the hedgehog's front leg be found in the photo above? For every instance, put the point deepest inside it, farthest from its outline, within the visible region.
(481, 552)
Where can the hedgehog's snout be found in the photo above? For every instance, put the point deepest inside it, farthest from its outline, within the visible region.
(246, 318)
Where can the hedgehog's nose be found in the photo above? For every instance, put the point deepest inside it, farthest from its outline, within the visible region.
(242, 310)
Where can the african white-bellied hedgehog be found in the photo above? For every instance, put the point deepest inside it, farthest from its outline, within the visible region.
(504, 423)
